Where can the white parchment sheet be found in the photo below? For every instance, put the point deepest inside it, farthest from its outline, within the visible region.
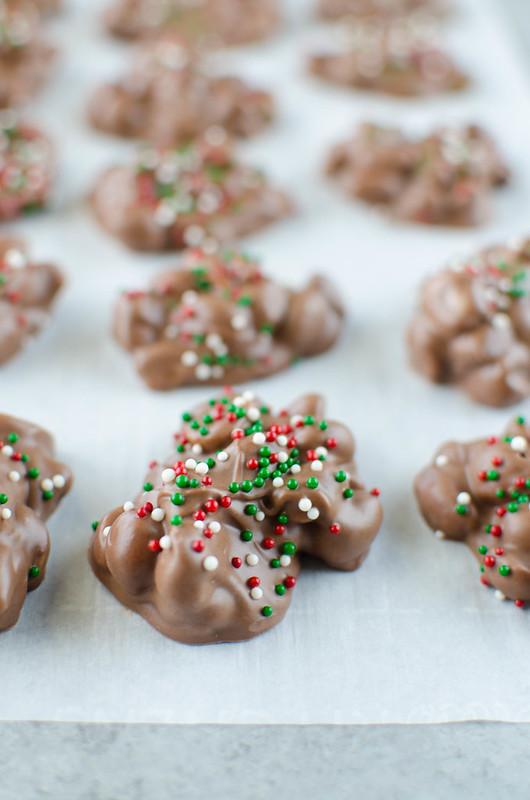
(412, 636)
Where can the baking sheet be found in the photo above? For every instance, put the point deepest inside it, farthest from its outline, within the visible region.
(412, 636)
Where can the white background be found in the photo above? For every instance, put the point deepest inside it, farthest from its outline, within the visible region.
(412, 636)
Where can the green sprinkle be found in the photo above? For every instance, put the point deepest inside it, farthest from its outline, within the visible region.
(34, 572)
(94, 525)
(288, 549)
(492, 475)
(275, 563)
(246, 486)
(147, 487)
(250, 510)
(33, 472)
(504, 570)
(483, 549)
(340, 476)
(178, 499)
(312, 483)
(309, 420)
(186, 417)
(233, 487)
(323, 425)
(279, 589)
(12, 438)
(194, 483)
(347, 493)
(292, 483)
(182, 481)
(47, 495)
(267, 611)
(246, 536)
(462, 510)
(176, 520)
(264, 451)
(512, 507)
(259, 482)
(283, 519)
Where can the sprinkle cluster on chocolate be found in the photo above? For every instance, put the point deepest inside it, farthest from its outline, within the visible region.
(27, 292)
(170, 97)
(444, 179)
(472, 328)
(400, 57)
(216, 320)
(479, 494)
(222, 22)
(336, 9)
(197, 194)
(32, 484)
(210, 550)
(25, 57)
(26, 164)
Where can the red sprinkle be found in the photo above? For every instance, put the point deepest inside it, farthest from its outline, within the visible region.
(199, 514)
(335, 528)
(496, 530)
(499, 551)
(482, 475)
(484, 581)
(211, 506)
(254, 581)
(154, 546)
(279, 529)
(237, 433)
(289, 582)
(226, 501)
(489, 561)
(332, 442)
(268, 544)
(492, 440)
(198, 546)
(501, 511)
(375, 492)
(497, 461)
(520, 483)
(252, 463)
(519, 603)
(236, 562)
(208, 533)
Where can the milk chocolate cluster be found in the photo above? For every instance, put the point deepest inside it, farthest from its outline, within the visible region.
(27, 292)
(399, 57)
(32, 483)
(170, 97)
(197, 194)
(479, 494)
(472, 328)
(223, 22)
(216, 320)
(445, 179)
(336, 9)
(26, 166)
(210, 550)
(25, 57)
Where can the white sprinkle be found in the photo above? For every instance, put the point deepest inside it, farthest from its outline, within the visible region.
(501, 321)
(304, 504)
(252, 559)
(519, 443)
(282, 457)
(282, 440)
(197, 449)
(7, 450)
(199, 524)
(46, 485)
(215, 135)
(296, 418)
(210, 563)
(259, 516)
(317, 466)
(202, 468)
(106, 531)
(215, 526)
(238, 401)
(439, 534)
(259, 438)
(213, 341)
(222, 456)
(15, 259)
(285, 561)
(128, 506)
(253, 413)
(189, 358)
(239, 321)
(165, 542)
(6, 513)
(464, 498)
(256, 593)
(203, 372)
(190, 298)
(217, 371)
(321, 451)
(277, 482)
(499, 595)
(190, 463)
(248, 395)
(193, 235)
(59, 481)
(158, 514)
(441, 460)
(313, 513)
(14, 476)
(168, 475)
(296, 468)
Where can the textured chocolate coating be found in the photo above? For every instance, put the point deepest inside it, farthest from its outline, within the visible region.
(336, 9)
(26, 166)
(196, 195)
(472, 328)
(27, 292)
(32, 484)
(25, 58)
(214, 558)
(170, 98)
(477, 493)
(444, 179)
(223, 22)
(399, 57)
(216, 320)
